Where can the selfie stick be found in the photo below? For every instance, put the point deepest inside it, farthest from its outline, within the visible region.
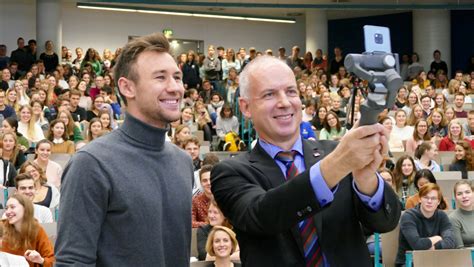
(378, 68)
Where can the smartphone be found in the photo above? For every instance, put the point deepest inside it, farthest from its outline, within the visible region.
(377, 39)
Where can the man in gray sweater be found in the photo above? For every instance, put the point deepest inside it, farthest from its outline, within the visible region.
(126, 197)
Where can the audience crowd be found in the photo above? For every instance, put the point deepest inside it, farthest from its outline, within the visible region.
(55, 104)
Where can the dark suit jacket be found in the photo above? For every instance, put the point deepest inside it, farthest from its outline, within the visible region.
(264, 210)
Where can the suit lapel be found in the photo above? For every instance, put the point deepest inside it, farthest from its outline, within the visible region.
(267, 166)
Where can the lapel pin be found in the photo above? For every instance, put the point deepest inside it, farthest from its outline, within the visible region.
(316, 154)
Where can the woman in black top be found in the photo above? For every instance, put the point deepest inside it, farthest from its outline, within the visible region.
(463, 160)
(49, 57)
(318, 119)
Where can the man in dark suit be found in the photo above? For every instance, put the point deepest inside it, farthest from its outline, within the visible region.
(307, 209)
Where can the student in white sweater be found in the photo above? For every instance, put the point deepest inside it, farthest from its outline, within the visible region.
(401, 130)
(226, 122)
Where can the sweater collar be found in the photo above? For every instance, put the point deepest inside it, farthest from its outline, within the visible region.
(144, 133)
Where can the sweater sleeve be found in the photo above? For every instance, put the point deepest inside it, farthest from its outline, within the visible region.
(456, 226)
(235, 126)
(70, 148)
(446, 232)
(409, 230)
(45, 248)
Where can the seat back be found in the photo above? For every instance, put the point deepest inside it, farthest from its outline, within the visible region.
(194, 250)
(442, 258)
(390, 246)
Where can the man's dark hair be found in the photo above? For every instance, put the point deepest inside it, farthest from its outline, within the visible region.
(31, 41)
(22, 177)
(107, 89)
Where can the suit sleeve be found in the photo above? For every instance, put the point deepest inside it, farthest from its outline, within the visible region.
(384, 219)
(256, 210)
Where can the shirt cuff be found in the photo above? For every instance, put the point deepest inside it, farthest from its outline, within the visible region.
(374, 202)
(323, 194)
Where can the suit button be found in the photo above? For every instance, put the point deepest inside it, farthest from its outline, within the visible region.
(309, 209)
(299, 213)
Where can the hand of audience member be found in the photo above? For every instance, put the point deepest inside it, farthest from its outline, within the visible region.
(435, 239)
(360, 150)
(34, 256)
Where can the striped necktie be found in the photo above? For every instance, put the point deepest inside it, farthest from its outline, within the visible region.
(312, 250)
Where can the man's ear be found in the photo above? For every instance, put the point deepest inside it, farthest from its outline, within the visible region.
(244, 107)
(127, 88)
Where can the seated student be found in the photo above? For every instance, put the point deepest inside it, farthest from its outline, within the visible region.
(455, 134)
(462, 218)
(96, 108)
(309, 108)
(215, 217)
(52, 169)
(438, 126)
(109, 98)
(459, 105)
(181, 133)
(23, 235)
(58, 136)
(107, 120)
(336, 106)
(192, 146)
(426, 154)
(401, 129)
(468, 127)
(187, 118)
(463, 159)
(95, 130)
(215, 105)
(425, 226)
(423, 177)
(209, 159)
(10, 125)
(28, 127)
(318, 119)
(203, 120)
(420, 135)
(73, 131)
(46, 194)
(226, 122)
(332, 128)
(221, 244)
(78, 113)
(38, 114)
(10, 150)
(404, 176)
(25, 185)
(306, 131)
(201, 201)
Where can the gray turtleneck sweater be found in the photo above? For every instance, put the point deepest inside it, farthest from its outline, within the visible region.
(126, 201)
(463, 227)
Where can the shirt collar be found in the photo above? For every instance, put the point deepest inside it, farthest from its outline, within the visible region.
(273, 150)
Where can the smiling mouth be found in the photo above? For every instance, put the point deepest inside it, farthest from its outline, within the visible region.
(283, 117)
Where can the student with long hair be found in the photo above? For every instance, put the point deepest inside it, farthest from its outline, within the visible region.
(72, 130)
(28, 127)
(57, 134)
(46, 194)
(404, 175)
(333, 129)
(11, 99)
(462, 218)
(438, 125)
(226, 122)
(455, 134)
(319, 117)
(10, 125)
(423, 177)
(425, 226)
(11, 151)
(95, 129)
(23, 235)
(401, 129)
(52, 169)
(463, 159)
(181, 133)
(420, 134)
(415, 115)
